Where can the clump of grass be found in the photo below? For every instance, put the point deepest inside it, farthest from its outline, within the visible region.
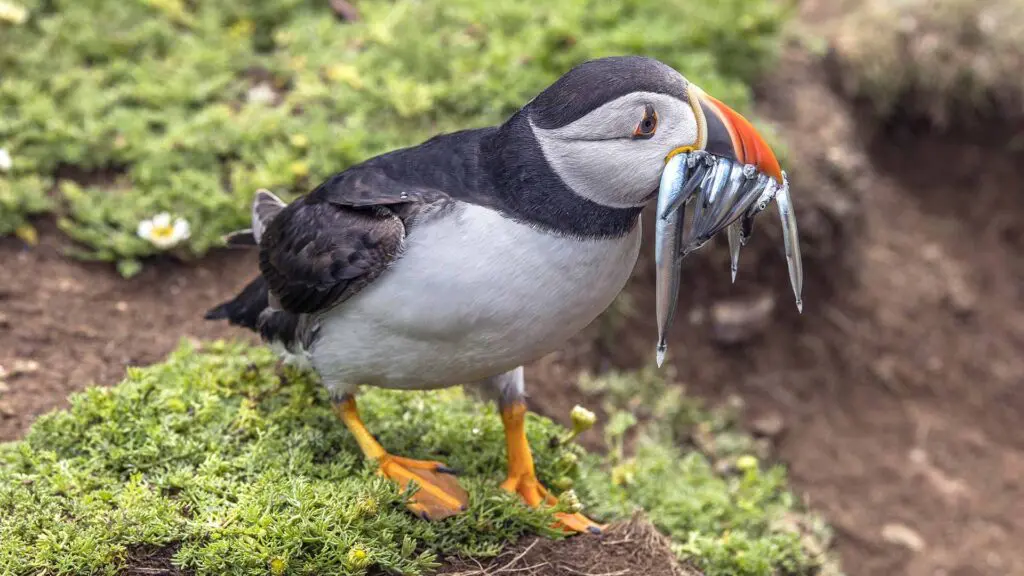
(21, 198)
(945, 60)
(244, 471)
(652, 407)
(189, 107)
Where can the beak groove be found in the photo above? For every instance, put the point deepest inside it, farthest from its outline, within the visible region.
(732, 136)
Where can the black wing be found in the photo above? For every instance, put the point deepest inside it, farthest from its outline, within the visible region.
(325, 247)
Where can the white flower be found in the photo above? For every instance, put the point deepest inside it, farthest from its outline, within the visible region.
(13, 13)
(163, 233)
(5, 160)
(261, 93)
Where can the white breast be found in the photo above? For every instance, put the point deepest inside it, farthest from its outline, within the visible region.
(474, 294)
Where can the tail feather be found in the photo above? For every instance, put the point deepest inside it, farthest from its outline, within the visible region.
(245, 309)
(265, 206)
(240, 239)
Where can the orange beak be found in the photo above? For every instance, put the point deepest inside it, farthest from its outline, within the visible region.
(732, 136)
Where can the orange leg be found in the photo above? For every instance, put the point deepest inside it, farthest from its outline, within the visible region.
(439, 495)
(522, 479)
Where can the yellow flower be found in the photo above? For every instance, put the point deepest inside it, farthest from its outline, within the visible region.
(299, 140)
(623, 475)
(241, 29)
(278, 566)
(344, 73)
(28, 234)
(283, 37)
(162, 232)
(13, 13)
(366, 506)
(357, 558)
(299, 168)
(582, 419)
(746, 462)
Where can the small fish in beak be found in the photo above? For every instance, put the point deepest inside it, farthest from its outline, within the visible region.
(733, 233)
(700, 166)
(792, 241)
(730, 181)
(668, 255)
(707, 203)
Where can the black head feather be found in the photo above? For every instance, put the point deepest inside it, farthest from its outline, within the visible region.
(596, 82)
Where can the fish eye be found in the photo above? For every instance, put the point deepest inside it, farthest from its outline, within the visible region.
(648, 124)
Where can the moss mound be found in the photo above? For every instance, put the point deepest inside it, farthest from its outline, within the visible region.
(240, 469)
(133, 108)
(948, 61)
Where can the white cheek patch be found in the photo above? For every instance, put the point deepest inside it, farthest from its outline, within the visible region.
(598, 159)
(612, 173)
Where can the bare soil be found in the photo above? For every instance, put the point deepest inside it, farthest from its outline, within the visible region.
(898, 391)
(633, 548)
(65, 325)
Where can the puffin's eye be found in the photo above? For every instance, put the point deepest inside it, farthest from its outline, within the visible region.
(649, 123)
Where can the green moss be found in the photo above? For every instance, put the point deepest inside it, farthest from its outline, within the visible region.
(725, 511)
(21, 198)
(152, 95)
(248, 471)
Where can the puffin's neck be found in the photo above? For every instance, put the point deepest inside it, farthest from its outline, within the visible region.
(529, 190)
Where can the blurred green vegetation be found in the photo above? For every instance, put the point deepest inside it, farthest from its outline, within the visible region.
(245, 470)
(114, 111)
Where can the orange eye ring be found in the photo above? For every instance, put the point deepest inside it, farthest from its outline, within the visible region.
(648, 124)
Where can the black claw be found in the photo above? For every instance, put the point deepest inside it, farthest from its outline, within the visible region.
(593, 530)
(446, 470)
(464, 507)
(425, 516)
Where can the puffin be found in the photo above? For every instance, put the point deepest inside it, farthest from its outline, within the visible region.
(460, 260)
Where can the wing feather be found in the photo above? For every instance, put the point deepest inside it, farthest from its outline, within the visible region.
(327, 246)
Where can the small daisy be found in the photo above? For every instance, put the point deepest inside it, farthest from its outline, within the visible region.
(261, 93)
(13, 13)
(162, 232)
(5, 160)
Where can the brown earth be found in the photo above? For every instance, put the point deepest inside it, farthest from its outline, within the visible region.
(65, 325)
(898, 390)
(633, 548)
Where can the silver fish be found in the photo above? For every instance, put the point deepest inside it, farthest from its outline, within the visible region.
(727, 196)
(766, 188)
(791, 240)
(738, 186)
(749, 193)
(699, 165)
(711, 190)
(668, 241)
(733, 232)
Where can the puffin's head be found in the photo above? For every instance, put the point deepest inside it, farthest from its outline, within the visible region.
(608, 126)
